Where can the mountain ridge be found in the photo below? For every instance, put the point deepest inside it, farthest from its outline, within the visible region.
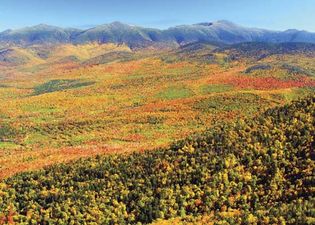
(134, 36)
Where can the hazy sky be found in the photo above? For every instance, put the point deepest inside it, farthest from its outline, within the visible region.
(272, 14)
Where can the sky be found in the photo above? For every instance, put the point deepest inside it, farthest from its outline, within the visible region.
(269, 14)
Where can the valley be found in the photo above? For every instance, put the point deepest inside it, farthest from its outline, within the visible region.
(72, 100)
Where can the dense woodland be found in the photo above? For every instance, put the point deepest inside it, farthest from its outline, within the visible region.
(255, 171)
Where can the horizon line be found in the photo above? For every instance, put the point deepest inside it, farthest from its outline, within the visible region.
(91, 26)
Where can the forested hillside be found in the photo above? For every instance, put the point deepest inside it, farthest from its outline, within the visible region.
(252, 171)
(63, 102)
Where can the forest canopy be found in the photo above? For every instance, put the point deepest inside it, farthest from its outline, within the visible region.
(252, 171)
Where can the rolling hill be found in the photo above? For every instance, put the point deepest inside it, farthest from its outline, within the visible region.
(66, 101)
(254, 171)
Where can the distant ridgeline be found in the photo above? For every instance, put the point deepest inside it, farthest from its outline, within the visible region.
(252, 171)
(135, 36)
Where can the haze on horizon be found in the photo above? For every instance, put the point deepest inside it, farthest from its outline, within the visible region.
(268, 14)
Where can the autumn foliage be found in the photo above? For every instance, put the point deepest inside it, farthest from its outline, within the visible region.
(253, 171)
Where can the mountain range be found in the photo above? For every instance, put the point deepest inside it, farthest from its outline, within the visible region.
(134, 36)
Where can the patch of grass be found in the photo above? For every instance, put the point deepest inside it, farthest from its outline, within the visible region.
(37, 139)
(8, 145)
(215, 88)
(39, 108)
(60, 85)
(293, 95)
(135, 77)
(81, 139)
(171, 93)
(298, 93)
(245, 102)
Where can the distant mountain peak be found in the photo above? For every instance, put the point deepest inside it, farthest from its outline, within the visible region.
(292, 31)
(43, 25)
(225, 23)
(207, 24)
(7, 31)
(218, 23)
(119, 24)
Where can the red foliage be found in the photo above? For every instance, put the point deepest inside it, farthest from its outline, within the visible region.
(7, 219)
(266, 83)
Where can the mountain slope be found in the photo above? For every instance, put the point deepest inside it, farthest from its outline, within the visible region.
(249, 172)
(221, 31)
(135, 36)
(40, 34)
(18, 56)
(121, 33)
(260, 50)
